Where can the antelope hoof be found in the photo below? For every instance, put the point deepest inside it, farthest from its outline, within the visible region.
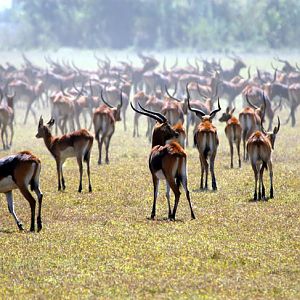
(32, 229)
(99, 162)
(90, 189)
(193, 216)
(79, 189)
(20, 226)
(40, 226)
(107, 161)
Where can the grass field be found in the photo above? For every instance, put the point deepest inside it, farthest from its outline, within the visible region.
(102, 245)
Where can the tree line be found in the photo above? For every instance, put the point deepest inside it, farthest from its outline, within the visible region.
(152, 24)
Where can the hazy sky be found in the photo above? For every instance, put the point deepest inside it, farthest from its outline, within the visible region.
(5, 4)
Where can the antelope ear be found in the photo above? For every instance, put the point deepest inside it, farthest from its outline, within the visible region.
(232, 111)
(227, 110)
(51, 122)
(41, 121)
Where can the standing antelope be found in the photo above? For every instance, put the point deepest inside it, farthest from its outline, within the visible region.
(18, 171)
(260, 146)
(75, 144)
(139, 97)
(233, 131)
(104, 120)
(207, 141)
(167, 161)
(7, 119)
(249, 118)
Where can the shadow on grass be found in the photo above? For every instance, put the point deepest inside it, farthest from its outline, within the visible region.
(7, 231)
(260, 200)
(204, 191)
(164, 220)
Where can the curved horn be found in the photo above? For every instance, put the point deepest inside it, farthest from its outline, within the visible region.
(197, 111)
(274, 79)
(146, 114)
(273, 66)
(250, 103)
(212, 114)
(106, 103)
(79, 92)
(161, 116)
(276, 129)
(172, 97)
(259, 77)
(249, 74)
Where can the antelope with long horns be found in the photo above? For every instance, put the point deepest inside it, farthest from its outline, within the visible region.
(250, 118)
(260, 146)
(207, 141)
(75, 144)
(167, 161)
(104, 120)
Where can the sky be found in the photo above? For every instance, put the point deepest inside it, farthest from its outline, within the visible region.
(5, 4)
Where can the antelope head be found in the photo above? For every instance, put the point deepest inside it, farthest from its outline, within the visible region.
(201, 114)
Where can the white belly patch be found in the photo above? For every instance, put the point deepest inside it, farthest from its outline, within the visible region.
(160, 175)
(7, 184)
(68, 152)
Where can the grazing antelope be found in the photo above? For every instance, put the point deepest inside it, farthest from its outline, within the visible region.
(207, 141)
(18, 171)
(167, 161)
(233, 131)
(260, 146)
(75, 144)
(7, 119)
(104, 120)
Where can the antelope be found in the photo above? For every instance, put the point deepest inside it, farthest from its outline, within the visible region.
(28, 93)
(233, 131)
(207, 141)
(104, 120)
(113, 96)
(7, 119)
(294, 98)
(258, 96)
(206, 107)
(18, 171)
(235, 70)
(75, 144)
(260, 146)
(139, 97)
(250, 118)
(167, 161)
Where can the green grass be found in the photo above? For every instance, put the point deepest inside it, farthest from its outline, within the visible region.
(102, 245)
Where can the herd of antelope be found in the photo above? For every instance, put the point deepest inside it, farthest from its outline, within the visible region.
(100, 98)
